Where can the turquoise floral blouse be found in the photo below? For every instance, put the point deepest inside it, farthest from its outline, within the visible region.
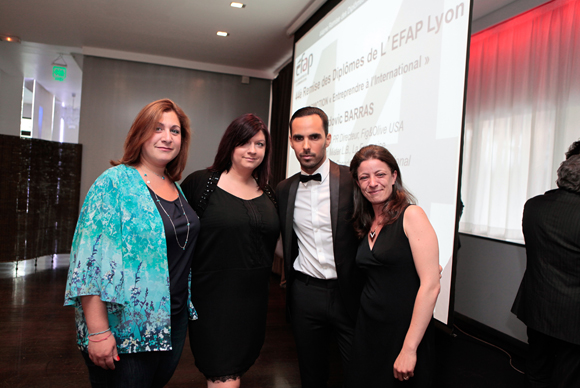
(119, 252)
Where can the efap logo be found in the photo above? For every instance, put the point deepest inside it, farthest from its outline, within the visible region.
(303, 64)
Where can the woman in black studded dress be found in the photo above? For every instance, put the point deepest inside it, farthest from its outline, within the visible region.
(233, 257)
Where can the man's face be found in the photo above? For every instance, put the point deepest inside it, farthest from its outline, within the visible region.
(309, 142)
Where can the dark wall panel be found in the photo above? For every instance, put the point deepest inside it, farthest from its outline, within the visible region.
(39, 199)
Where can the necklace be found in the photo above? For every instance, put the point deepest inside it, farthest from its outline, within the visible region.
(372, 233)
(170, 220)
(145, 175)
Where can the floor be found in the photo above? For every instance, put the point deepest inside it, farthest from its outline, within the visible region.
(37, 342)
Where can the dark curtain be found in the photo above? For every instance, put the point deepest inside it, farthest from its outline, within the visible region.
(281, 97)
(39, 199)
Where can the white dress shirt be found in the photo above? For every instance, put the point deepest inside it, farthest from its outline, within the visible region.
(313, 227)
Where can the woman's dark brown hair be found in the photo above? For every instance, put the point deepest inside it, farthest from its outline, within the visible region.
(238, 133)
(399, 199)
(144, 127)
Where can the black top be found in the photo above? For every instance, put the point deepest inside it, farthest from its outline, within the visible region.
(230, 278)
(236, 233)
(178, 259)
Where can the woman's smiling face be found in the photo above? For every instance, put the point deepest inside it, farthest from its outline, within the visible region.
(376, 180)
(165, 143)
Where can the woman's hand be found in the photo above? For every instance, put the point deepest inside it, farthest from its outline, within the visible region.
(102, 346)
(103, 350)
(425, 249)
(405, 365)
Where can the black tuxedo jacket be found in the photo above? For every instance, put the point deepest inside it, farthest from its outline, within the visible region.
(549, 296)
(343, 236)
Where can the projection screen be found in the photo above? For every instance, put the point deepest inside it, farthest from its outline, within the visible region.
(393, 73)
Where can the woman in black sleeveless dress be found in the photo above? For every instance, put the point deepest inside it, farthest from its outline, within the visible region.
(399, 255)
(233, 259)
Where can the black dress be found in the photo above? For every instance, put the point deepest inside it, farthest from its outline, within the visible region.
(230, 281)
(385, 313)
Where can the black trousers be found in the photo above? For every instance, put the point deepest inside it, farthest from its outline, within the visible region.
(318, 316)
(551, 362)
(143, 370)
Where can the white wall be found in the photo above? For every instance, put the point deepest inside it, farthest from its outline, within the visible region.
(71, 124)
(70, 128)
(43, 102)
(114, 91)
(10, 103)
(58, 114)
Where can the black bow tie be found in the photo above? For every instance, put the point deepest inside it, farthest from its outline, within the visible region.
(306, 178)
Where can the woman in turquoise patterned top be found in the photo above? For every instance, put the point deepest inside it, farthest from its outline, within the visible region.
(131, 257)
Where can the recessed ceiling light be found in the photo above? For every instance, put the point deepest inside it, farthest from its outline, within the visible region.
(235, 4)
(11, 39)
(222, 33)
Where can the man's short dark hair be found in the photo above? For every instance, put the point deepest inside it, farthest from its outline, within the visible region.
(574, 149)
(569, 174)
(309, 111)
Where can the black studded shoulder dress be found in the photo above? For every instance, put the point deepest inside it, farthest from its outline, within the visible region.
(230, 277)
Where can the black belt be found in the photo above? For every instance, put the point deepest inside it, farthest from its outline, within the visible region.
(309, 280)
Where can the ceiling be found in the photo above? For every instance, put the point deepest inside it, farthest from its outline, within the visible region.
(173, 32)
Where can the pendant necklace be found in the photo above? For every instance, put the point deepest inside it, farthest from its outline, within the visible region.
(167, 214)
(372, 233)
(172, 224)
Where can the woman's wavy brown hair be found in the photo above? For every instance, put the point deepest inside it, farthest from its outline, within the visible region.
(144, 127)
(399, 199)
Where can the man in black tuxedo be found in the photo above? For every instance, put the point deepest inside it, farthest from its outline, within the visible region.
(548, 300)
(323, 283)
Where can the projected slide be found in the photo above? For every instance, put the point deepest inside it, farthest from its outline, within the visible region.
(392, 73)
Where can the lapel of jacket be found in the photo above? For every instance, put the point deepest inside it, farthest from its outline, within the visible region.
(289, 227)
(334, 183)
